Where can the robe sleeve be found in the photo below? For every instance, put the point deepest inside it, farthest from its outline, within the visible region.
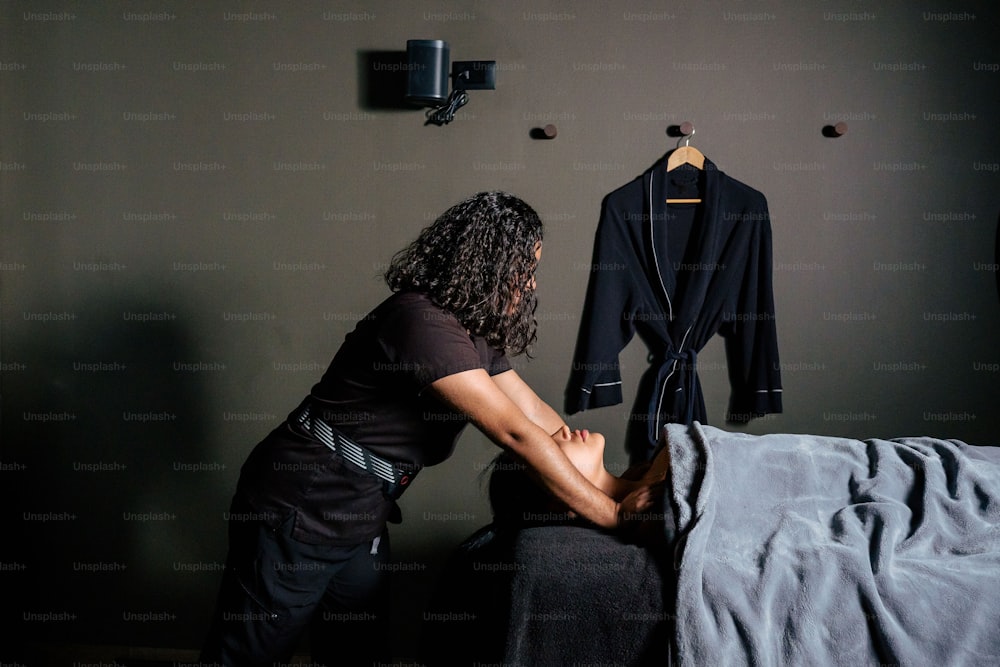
(606, 326)
(751, 337)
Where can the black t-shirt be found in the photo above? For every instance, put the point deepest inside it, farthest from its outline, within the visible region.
(373, 389)
(373, 392)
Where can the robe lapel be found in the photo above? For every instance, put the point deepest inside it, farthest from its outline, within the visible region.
(689, 288)
(692, 289)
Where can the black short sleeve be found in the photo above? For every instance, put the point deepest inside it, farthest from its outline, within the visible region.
(373, 390)
(426, 343)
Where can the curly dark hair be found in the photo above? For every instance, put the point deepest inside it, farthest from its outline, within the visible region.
(477, 260)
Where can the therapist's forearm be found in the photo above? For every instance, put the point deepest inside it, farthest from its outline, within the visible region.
(534, 408)
(561, 478)
(508, 412)
(548, 419)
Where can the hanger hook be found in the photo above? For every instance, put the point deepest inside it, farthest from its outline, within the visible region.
(685, 136)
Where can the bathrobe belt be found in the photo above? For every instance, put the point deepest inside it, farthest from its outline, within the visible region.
(670, 363)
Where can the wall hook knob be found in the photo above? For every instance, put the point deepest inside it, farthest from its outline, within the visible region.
(547, 132)
(834, 131)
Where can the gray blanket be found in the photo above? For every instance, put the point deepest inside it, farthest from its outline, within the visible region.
(811, 550)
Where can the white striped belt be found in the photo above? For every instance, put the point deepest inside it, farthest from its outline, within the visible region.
(352, 452)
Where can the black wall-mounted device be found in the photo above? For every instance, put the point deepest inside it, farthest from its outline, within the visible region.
(427, 71)
(474, 74)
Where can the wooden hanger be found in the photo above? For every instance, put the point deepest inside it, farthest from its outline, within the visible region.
(686, 155)
(682, 155)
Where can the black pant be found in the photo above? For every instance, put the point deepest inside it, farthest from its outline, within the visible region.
(275, 588)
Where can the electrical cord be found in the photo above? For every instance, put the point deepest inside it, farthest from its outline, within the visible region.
(445, 113)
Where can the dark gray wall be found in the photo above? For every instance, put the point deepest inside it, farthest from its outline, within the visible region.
(198, 200)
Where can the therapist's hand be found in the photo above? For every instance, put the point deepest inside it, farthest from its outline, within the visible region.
(640, 507)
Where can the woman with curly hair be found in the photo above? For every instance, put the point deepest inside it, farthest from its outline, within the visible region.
(308, 546)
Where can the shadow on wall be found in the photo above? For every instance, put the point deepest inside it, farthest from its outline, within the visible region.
(106, 513)
(382, 77)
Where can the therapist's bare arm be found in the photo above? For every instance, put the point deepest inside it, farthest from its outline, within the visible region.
(525, 398)
(475, 394)
(551, 421)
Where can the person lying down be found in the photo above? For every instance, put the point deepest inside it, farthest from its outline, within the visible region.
(518, 500)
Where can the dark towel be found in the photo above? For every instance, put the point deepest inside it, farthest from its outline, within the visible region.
(551, 595)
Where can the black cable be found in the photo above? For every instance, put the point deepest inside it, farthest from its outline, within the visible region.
(445, 113)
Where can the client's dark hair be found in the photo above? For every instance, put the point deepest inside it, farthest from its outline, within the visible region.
(477, 261)
(516, 498)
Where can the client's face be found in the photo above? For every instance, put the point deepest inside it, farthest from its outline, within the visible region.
(584, 449)
(514, 494)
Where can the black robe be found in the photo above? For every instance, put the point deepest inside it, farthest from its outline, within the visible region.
(677, 275)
